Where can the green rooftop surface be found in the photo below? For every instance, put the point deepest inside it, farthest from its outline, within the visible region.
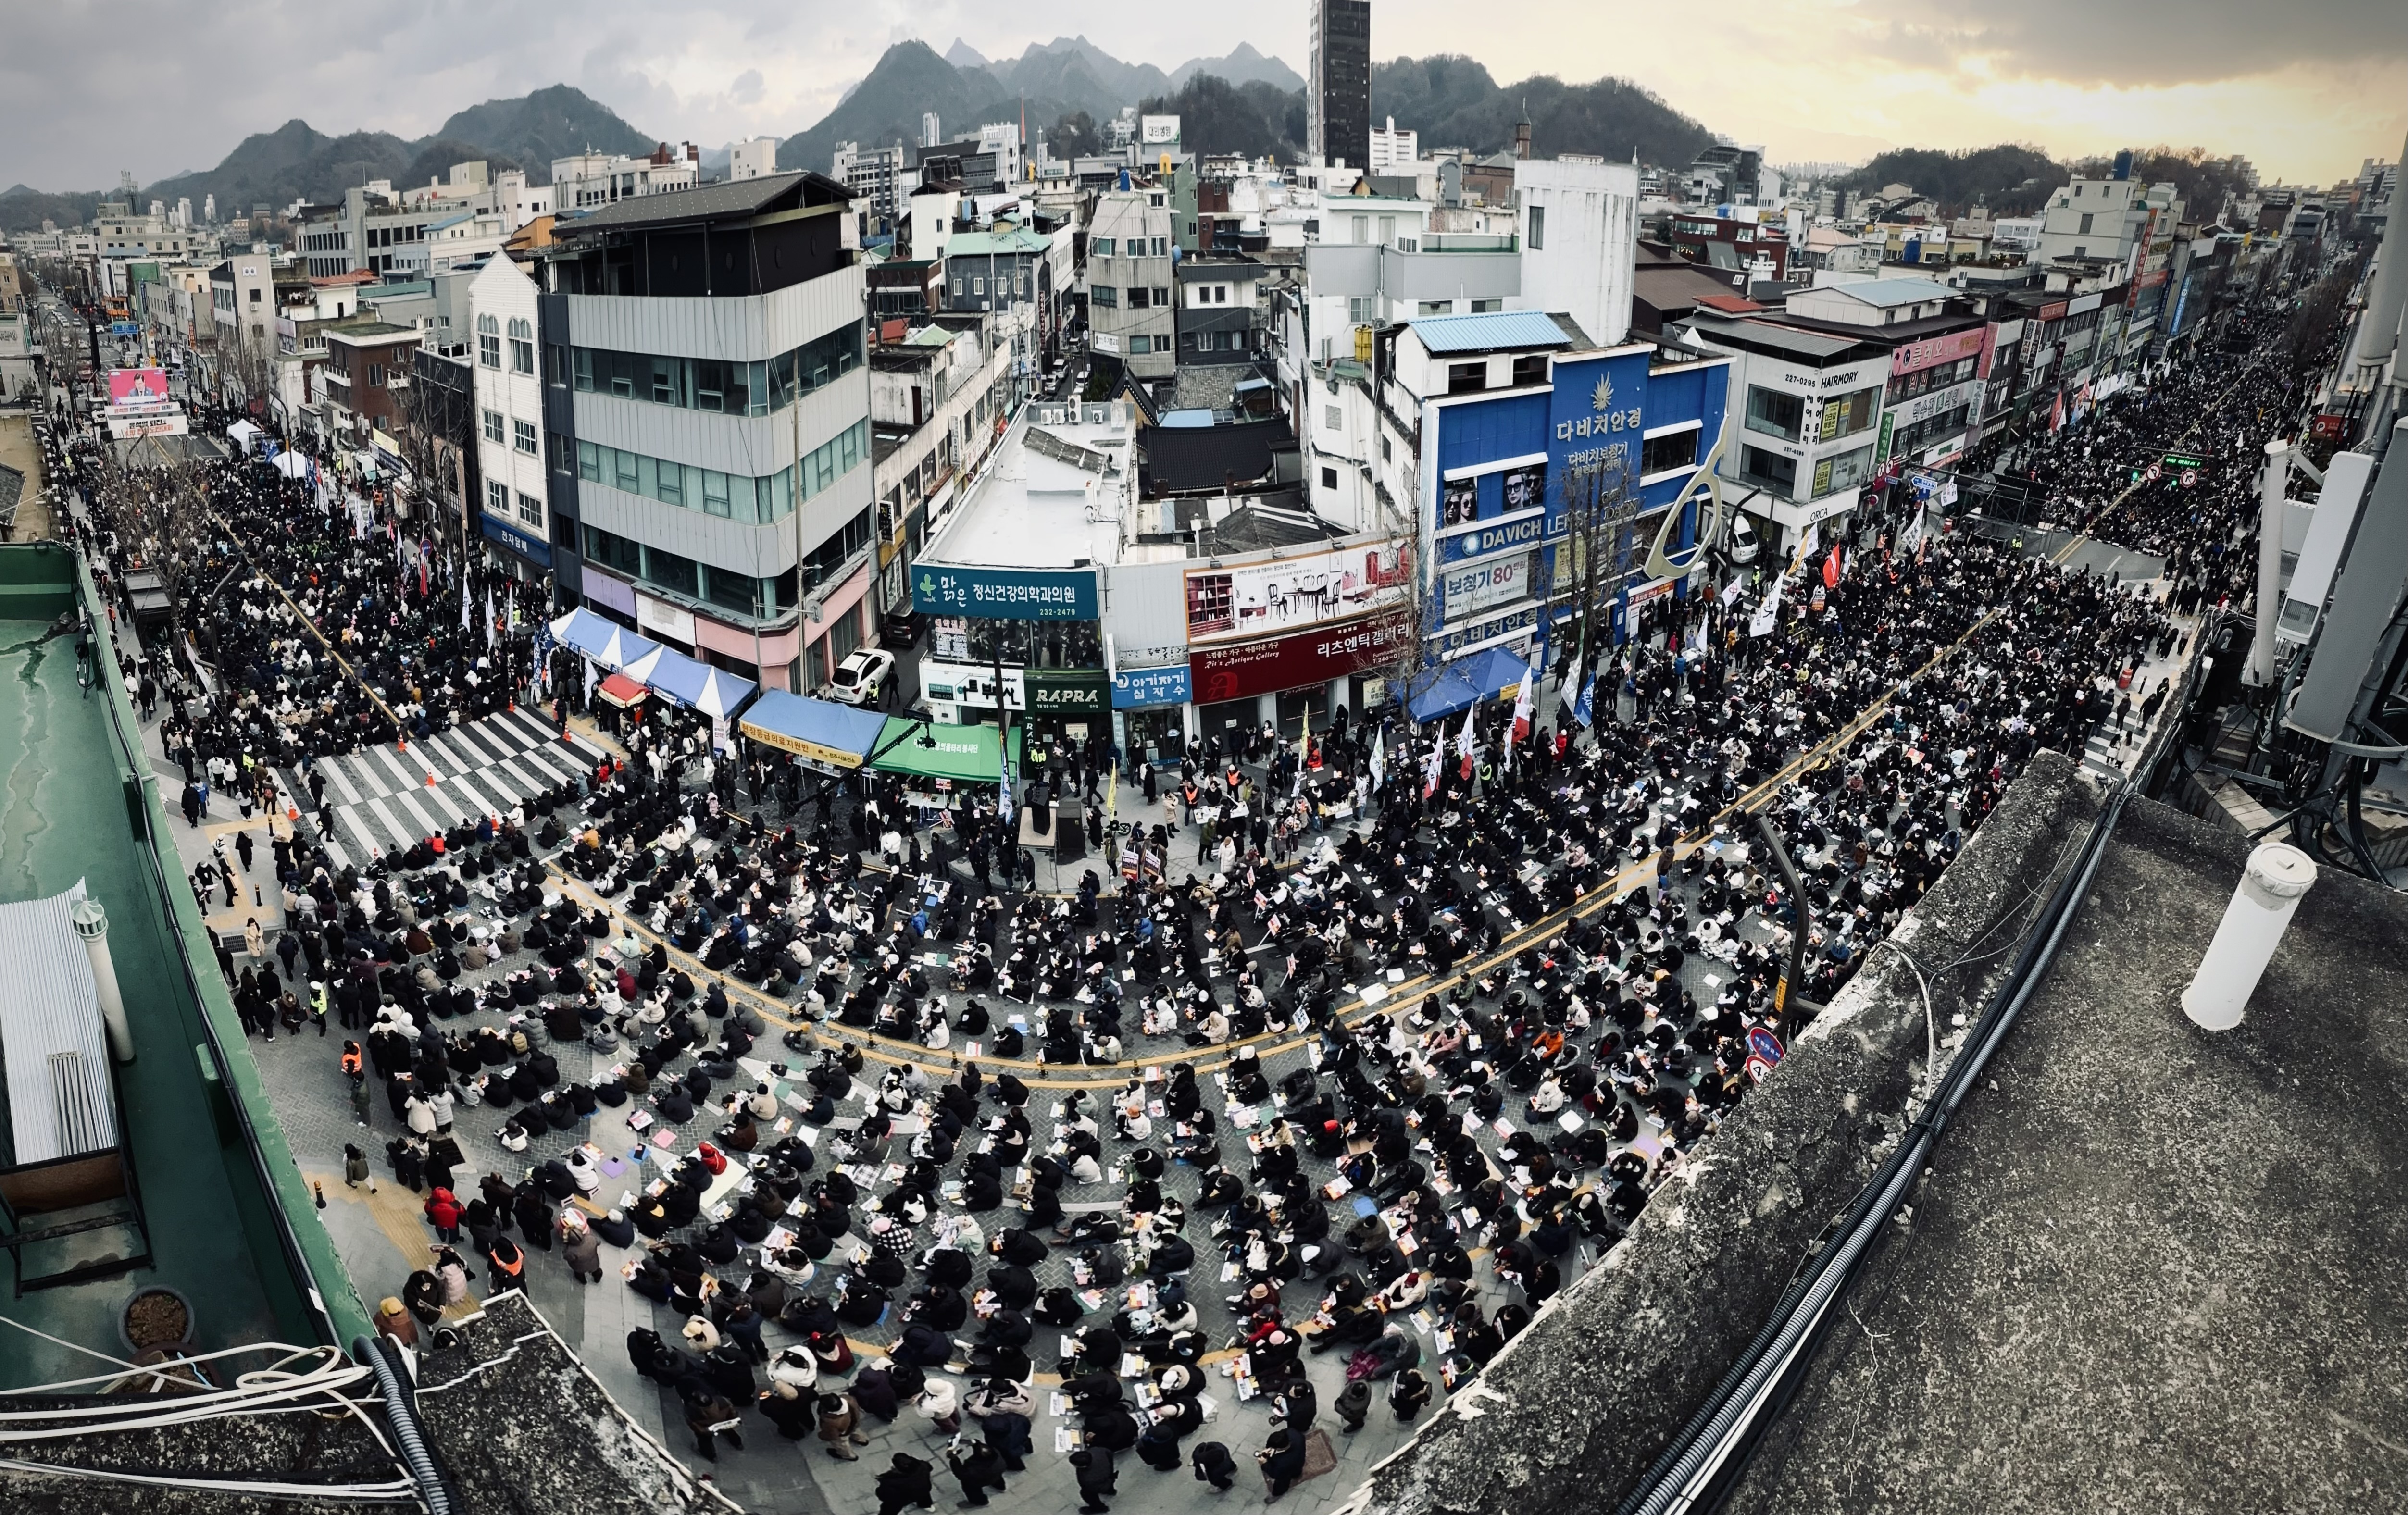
(71, 807)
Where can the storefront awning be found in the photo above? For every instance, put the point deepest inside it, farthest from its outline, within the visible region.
(820, 731)
(962, 755)
(621, 690)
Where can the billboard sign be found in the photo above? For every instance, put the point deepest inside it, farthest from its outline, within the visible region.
(151, 424)
(1952, 347)
(1066, 691)
(137, 389)
(1485, 583)
(1302, 659)
(1503, 534)
(1290, 593)
(1144, 688)
(1004, 593)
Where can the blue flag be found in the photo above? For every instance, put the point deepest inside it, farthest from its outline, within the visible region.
(1587, 694)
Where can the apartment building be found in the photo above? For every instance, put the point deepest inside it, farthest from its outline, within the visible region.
(587, 180)
(1130, 313)
(513, 512)
(709, 407)
(359, 384)
(1848, 383)
(879, 178)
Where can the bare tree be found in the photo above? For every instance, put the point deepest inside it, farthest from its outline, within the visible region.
(246, 370)
(159, 500)
(1593, 557)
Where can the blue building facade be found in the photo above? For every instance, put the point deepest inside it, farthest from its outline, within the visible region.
(1497, 518)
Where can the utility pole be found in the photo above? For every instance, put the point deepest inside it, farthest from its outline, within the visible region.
(2273, 486)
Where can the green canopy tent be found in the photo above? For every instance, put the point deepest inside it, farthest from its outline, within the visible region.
(947, 755)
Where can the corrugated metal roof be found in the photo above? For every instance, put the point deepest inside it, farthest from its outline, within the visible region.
(1489, 332)
(1890, 292)
(60, 1101)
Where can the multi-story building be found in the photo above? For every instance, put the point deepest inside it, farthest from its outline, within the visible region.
(242, 300)
(367, 367)
(1742, 248)
(1009, 273)
(1129, 282)
(1337, 97)
(878, 178)
(2098, 218)
(1001, 140)
(709, 409)
(936, 397)
(1485, 431)
(123, 234)
(1850, 381)
(754, 158)
(977, 164)
(1579, 224)
(1394, 150)
(599, 179)
(514, 482)
(1221, 310)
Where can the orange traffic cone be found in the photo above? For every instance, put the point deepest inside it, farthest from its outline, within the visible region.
(430, 781)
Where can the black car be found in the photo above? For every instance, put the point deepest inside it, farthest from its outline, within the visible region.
(899, 631)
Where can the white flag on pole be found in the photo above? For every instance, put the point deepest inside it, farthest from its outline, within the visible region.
(1766, 614)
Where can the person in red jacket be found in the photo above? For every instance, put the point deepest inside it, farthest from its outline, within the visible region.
(444, 1209)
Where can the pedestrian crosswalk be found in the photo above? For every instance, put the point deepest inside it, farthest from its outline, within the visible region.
(385, 799)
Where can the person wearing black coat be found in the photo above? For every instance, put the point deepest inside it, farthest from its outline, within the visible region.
(1214, 1465)
(1096, 1480)
(1282, 1460)
(979, 1468)
(795, 1415)
(534, 1217)
(908, 1480)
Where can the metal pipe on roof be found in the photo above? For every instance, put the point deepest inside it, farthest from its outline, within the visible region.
(2273, 486)
(2278, 875)
(91, 923)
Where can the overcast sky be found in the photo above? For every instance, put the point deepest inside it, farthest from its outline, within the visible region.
(2305, 88)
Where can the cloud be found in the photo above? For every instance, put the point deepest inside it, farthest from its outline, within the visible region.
(2306, 87)
(2121, 42)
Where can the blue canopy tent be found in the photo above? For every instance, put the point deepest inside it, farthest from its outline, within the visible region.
(1456, 687)
(1448, 691)
(698, 685)
(609, 645)
(822, 732)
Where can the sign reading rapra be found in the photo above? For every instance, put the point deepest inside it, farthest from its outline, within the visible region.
(1004, 593)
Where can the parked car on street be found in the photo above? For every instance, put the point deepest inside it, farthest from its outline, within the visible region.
(864, 678)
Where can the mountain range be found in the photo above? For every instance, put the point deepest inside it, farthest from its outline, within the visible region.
(1244, 102)
(298, 161)
(1047, 83)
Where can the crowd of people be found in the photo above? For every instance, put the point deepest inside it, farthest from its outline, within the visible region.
(1350, 1052)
